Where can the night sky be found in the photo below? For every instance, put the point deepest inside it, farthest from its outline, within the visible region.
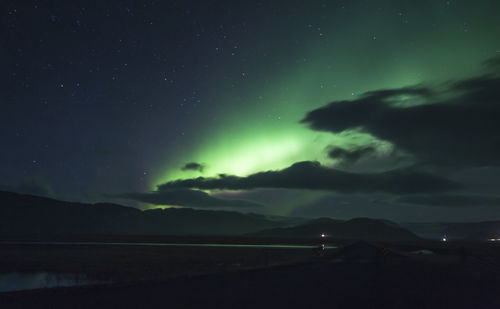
(386, 109)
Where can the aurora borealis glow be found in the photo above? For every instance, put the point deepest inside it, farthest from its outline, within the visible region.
(387, 48)
(118, 99)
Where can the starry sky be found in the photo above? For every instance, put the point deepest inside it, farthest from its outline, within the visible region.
(383, 109)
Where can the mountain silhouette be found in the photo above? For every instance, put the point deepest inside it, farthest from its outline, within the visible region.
(354, 229)
(32, 215)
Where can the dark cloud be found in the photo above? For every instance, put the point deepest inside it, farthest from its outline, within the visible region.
(350, 156)
(458, 126)
(313, 176)
(193, 166)
(187, 198)
(450, 200)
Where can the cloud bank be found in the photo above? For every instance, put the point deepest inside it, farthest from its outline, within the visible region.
(456, 126)
(350, 156)
(313, 176)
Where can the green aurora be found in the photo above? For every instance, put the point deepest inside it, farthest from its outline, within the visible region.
(429, 42)
(137, 103)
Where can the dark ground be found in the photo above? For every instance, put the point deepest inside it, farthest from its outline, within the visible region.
(435, 281)
(139, 263)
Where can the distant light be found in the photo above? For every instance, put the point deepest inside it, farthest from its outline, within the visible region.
(323, 235)
(444, 239)
(494, 239)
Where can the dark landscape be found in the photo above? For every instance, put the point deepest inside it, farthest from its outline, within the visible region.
(250, 154)
(357, 275)
(361, 265)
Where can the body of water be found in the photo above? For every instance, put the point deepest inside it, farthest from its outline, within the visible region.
(28, 281)
(16, 281)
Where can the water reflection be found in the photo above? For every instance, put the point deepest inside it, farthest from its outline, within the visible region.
(28, 281)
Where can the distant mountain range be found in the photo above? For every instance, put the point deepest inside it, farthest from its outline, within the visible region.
(358, 228)
(28, 215)
(32, 215)
(473, 231)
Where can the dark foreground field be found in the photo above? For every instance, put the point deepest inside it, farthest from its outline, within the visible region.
(361, 278)
(131, 263)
